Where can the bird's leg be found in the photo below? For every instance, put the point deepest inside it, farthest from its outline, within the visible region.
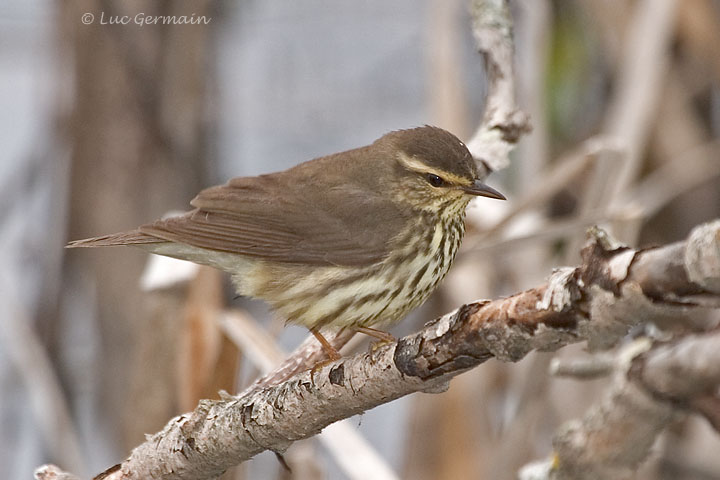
(384, 337)
(330, 351)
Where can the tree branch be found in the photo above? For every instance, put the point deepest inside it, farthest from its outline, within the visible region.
(613, 289)
(52, 472)
(503, 122)
(653, 386)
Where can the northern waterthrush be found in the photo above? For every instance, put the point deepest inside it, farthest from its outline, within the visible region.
(354, 239)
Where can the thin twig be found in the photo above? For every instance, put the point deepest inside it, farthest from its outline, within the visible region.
(46, 397)
(640, 78)
(53, 472)
(558, 176)
(692, 168)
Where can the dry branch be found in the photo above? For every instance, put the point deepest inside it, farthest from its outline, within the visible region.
(52, 472)
(640, 76)
(617, 434)
(503, 122)
(25, 352)
(613, 289)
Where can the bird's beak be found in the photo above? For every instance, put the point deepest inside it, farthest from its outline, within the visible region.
(481, 190)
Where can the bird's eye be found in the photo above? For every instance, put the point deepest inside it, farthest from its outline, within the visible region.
(434, 180)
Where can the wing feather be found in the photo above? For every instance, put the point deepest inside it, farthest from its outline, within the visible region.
(288, 220)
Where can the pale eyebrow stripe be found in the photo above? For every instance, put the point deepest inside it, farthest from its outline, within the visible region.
(417, 166)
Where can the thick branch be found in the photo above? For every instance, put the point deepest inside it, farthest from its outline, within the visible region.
(613, 289)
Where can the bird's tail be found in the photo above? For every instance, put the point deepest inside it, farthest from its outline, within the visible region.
(133, 237)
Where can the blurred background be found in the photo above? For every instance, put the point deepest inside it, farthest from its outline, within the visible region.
(105, 126)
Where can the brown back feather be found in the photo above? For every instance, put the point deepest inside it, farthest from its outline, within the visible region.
(328, 211)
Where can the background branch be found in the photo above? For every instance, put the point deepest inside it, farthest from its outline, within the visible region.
(503, 122)
(655, 385)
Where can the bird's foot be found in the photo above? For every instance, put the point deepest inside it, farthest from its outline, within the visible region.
(317, 367)
(383, 338)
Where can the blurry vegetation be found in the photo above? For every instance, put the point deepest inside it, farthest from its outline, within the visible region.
(577, 77)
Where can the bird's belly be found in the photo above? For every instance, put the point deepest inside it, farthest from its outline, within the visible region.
(375, 295)
(425, 272)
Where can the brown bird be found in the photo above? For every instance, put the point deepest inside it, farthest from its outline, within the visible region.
(355, 239)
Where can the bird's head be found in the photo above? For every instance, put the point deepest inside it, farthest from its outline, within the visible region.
(436, 170)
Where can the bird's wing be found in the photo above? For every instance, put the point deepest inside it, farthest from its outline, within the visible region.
(268, 217)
